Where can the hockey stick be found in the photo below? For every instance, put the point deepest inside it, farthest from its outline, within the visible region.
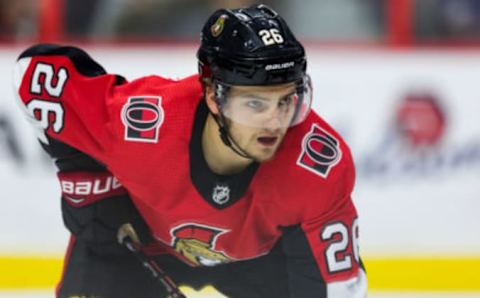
(157, 272)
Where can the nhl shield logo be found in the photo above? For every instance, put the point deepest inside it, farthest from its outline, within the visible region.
(221, 194)
(320, 151)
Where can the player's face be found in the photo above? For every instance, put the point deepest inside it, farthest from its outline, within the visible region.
(259, 116)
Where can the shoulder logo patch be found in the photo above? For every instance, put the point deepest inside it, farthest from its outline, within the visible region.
(320, 151)
(142, 117)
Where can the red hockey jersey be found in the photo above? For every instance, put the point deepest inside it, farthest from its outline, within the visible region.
(147, 132)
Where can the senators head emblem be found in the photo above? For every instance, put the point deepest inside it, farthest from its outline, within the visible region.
(217, 28)
(196, 244)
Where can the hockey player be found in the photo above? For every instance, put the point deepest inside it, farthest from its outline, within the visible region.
(236, 182)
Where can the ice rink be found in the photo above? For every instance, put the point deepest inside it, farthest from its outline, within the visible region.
(371, 295)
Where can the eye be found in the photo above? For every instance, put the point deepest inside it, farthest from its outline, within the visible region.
(255, 105)
(286, 101)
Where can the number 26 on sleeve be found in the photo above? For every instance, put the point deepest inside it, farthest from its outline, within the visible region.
(342, 245)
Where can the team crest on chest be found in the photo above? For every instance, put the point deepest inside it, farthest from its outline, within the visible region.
(221, 194)
(320, 151)
(196, 243)
(142, 117)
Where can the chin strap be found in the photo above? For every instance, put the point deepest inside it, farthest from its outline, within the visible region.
(227, 139)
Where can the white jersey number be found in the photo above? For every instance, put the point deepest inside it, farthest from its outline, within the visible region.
(47, 108)
(47, 112)
(337, 254)
(270, 37)
(46, 70)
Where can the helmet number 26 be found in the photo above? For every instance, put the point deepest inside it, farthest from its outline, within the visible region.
(271, 36)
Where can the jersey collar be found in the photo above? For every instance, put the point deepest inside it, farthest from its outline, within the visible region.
(220, 191)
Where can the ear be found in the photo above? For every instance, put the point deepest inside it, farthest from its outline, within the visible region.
(210, 99)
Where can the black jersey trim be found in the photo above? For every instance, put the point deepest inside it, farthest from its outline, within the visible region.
(68, 158)
(303, 274)
(81, 60)
(203, 178)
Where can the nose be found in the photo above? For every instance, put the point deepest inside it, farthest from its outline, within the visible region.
(274, 120)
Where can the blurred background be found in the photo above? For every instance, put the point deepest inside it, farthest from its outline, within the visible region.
(405, 22)
(399, 79)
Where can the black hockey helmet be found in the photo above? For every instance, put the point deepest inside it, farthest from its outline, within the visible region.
(250, 46)
(253, 47)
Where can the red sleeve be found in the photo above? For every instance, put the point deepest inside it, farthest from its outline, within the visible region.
(333, 234)
(322, 251)
(63, 92)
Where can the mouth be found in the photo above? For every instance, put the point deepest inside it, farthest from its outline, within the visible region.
(267, 141)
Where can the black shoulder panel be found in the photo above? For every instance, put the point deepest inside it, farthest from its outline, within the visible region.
(82, 61)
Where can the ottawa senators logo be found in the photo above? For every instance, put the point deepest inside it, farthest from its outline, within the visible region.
(196, 243)
(421, 120)
(217, 28)
(142, 117)
(320, 151)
